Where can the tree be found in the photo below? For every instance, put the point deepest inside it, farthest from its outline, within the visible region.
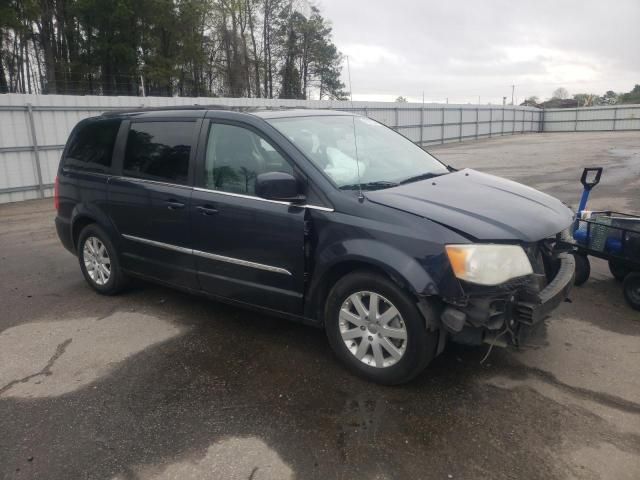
(632, 97)
(560, 93)
(256, 48)
(609, 98)
(401, 99)
(587, 99)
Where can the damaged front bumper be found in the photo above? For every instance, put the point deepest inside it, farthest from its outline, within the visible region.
(506, 314)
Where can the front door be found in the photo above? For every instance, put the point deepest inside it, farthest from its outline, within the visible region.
(150, 202)
(246, 248)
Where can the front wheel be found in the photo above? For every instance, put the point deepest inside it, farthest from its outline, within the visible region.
(376, 329)
(631, 287)
(583, 268)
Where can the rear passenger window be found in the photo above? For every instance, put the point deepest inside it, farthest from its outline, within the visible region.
(91, 147)
(159, 151)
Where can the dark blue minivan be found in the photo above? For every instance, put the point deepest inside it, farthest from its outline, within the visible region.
(319, 216)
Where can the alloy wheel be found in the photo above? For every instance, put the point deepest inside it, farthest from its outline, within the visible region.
(372, 329)
(96, 260)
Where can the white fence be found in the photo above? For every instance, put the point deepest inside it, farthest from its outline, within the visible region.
(34, 128)
(594, 119)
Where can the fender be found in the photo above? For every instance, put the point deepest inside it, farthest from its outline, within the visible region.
(400, 266)
(83, 211)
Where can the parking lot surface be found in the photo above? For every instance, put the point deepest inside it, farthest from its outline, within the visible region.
(154, 383)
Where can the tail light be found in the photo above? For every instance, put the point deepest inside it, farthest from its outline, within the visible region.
(56, 194)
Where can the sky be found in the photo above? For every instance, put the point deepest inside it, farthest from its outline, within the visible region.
(462, 50)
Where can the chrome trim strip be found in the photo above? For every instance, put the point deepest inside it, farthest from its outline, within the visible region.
(244, 263)
(317, 207)
(251, 197)
(166, 246)
(210, 256)
(153, 182)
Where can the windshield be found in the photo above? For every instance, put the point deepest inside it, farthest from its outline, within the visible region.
(384, 158)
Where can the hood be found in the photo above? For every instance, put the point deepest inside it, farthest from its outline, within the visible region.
(483, 206)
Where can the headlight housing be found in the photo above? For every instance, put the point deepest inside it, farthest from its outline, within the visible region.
(488, 264)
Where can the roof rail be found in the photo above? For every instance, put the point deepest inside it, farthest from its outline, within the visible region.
(237, 108)
(164, 109)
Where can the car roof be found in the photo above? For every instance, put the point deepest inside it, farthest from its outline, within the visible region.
(261, 112)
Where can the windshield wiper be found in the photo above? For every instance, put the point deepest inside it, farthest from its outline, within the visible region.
(422, 176)
(379, 185)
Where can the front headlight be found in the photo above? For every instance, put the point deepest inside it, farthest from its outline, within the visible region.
(488, 264)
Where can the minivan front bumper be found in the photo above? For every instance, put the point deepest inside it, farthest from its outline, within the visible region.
(510, 312)
(539, 307)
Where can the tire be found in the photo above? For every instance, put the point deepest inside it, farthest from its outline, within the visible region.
(411, 354)
(94, 239)
(631, 287)
(618, 269)
(583, 268)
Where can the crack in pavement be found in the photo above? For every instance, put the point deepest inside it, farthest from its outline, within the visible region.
(45, 371)
(605, 399)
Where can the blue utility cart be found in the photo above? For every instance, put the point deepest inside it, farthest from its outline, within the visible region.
(612, 236)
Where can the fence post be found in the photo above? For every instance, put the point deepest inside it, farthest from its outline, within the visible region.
(615, 118)
(442, 127)
(490, 121)
(421, 126)
(513, 120)
(544, 112)
(460, 130)
(477, 122)
(397, 119)
(36, 152)
(502, 127)
(575, 126)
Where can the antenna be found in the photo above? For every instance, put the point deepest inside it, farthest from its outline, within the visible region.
(355, 138)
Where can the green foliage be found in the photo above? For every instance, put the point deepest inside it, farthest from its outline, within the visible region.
(632, 97)
(175, 47)
(401, 100)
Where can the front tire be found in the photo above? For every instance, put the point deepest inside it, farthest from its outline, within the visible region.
(376, 329)
(583, 269)
(99, 261)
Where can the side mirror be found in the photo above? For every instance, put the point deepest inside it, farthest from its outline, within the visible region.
(278, 186)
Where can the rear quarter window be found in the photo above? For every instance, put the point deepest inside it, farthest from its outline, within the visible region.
(91, 146)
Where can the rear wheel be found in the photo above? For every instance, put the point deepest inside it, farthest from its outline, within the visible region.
(632, 290)
(376, 329)
(618, 269)
(99, 262)
(583, 268)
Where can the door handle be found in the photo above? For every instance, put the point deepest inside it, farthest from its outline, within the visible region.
(207, 210)
(174, 204)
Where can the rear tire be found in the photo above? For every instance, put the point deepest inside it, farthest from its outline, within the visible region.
(379, 343)
(631, 287)
(583, 268)
(99, 261)
(618, 269)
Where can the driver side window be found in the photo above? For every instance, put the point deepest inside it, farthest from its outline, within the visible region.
(235, 156)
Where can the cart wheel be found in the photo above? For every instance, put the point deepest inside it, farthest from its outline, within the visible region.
(583, 268)
(618, 269)
(632, 290)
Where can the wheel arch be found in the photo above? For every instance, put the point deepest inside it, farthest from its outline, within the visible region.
(82, 216)
(400, 268)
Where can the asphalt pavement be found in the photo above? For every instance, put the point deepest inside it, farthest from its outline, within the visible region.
(157, 384)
